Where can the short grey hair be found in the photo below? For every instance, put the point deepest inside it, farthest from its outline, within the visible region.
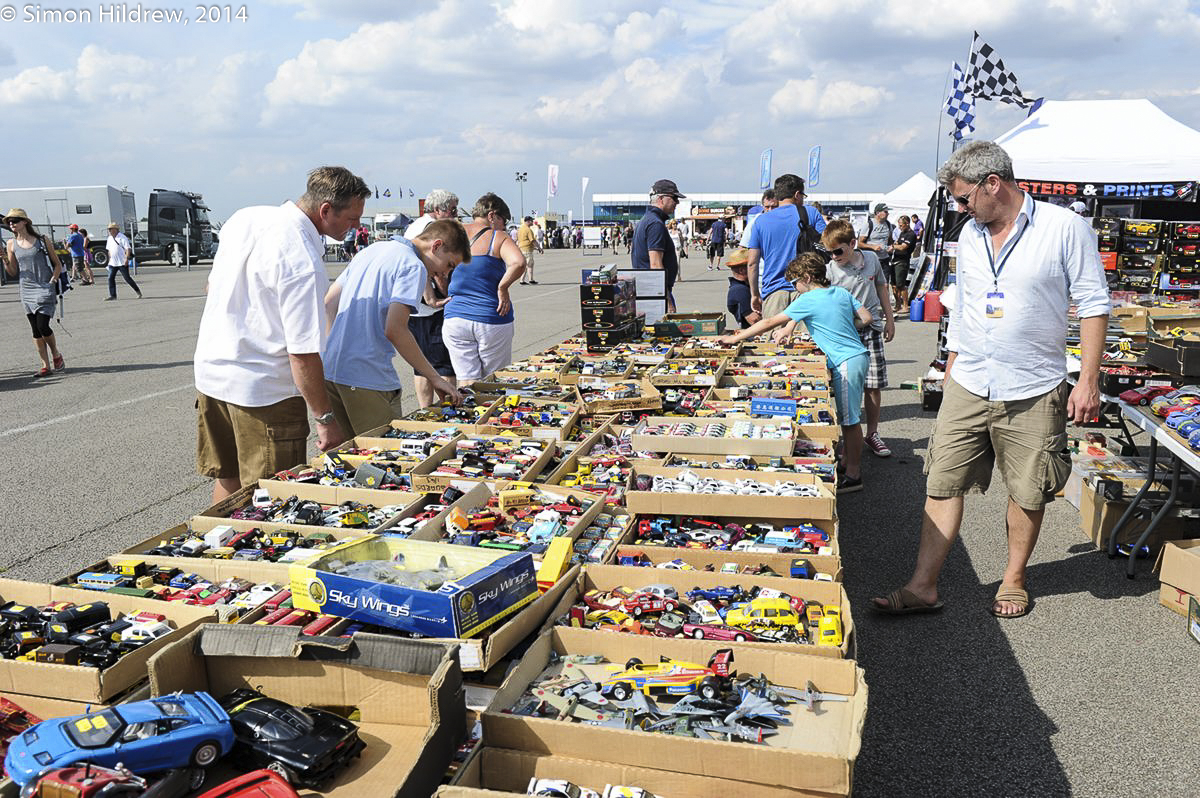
(974, 162)
(440, 200)
(336, 185)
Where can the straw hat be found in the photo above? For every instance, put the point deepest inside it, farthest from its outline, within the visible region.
(114, 226)
(740, 257)
(16, 213)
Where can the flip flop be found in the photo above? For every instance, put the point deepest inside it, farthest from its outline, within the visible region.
(42, 373)
(905, 602)
(58, 362)
(1013, 595)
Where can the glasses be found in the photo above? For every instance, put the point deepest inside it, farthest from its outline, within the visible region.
(966, 198)
(837, 252)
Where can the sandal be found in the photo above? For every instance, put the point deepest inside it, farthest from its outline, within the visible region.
(905, 602)
(59, 363)
(1013, 595)
(43, 372)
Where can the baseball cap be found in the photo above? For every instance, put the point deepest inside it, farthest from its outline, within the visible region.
(73, 227)
(881, 207)
(529, 218)
(667, 188)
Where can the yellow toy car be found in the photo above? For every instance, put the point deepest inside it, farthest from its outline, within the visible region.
(829, 631)
(763, 612)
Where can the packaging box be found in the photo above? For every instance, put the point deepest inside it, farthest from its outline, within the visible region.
(570, 410)
(648, 398)
(605, 295)
(79, 683)
(1178, 569)
(325, 494)
(1144, 228)
(1175, 355)
(1185, 231)
(1098, 516)
(699, 444)
(606, 318)
(424, 478)
(702, 558)
(1139, 246)
(494, 772)
(375, 437)
(606, 577)
(488, 586)
(683, 325)
(408, 694)
(604, 340)
(687, 380)
(1109, 260)
(571, 372)
(816, 753)
(820, 507)
(827, 525)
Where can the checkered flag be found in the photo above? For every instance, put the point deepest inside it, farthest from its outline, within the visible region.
(960, 105)
(989, 79)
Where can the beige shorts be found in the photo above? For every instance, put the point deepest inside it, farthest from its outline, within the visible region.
(249, 443)
(528, 258)
(359, 410)
(1025, 439)
(777, 302)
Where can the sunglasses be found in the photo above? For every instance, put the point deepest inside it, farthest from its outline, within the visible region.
(966, 198)
(837, 252)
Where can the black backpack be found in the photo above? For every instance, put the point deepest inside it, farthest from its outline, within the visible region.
(810, 239)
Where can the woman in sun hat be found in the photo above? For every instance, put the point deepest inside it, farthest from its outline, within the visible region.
(31, 256)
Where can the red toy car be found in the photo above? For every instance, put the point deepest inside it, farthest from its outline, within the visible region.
(257, 784)
(712, 631)
(638, 603)
(1144, 395)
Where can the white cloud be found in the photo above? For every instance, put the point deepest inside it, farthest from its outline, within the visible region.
(895, 139)
(801, 99)
(35, 84)
(641, 33)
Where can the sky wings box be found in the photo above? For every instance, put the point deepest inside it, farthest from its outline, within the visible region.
(484, 586)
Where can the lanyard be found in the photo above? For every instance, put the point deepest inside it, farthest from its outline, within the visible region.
(1012, 245)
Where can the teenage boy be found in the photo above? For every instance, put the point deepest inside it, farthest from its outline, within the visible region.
(860, 273)
(831, 315)
(369, 306)
(737, 301)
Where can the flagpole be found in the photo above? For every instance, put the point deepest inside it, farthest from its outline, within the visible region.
(966, 74)
(937, 156)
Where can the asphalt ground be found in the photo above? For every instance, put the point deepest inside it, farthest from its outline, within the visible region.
(1093, 694)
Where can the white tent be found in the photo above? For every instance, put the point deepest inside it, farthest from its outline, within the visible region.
(1103, 141)
(911, 196)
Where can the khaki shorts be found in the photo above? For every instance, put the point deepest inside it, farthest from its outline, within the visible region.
(359, 410)
(777, 302)
(528, 258)
(249, 443)
(1026, 439)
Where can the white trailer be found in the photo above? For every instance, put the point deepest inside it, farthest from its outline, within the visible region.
(90, 207)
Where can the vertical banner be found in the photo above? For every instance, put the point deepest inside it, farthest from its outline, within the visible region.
(814, 165)
(764, 169)
(552, 181)
(583, 201)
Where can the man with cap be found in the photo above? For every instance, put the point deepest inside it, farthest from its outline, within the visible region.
(878, 237)
(737, 301)
(120, 251)
(652, 244)
(527, 242)
(79, 267)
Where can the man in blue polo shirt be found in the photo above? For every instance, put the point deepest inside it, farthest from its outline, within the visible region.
(772, 245)
(369, 305)
(716, 243)
(652, 244)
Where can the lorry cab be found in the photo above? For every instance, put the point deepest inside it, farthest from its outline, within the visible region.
(168, 214)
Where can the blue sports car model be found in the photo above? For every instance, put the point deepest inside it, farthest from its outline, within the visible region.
(145, 736)
(719, 593)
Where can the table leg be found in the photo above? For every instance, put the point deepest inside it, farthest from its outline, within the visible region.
(1137, 499)
(1167, 507)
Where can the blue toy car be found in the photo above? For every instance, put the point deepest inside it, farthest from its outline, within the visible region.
(720, 593)
(173, 731)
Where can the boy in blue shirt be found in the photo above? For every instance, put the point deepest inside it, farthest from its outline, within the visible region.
(832, 317)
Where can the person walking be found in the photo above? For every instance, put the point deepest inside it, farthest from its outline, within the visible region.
(369, 306)
(425, 323)
(772, 243)
(878, 238)
(258, 364)
(479, 323)
(120, 254)
(902, 252)
(30, 257)
(716, 243)
(76, 245)
(652, 246)
(1006, 399)
(527, 242)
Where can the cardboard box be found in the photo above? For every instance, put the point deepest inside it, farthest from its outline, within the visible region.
(820, 507)
(1176, 356)
(680, 379)
(603, 295)
(700, 444)
(1178, 569)
(79, 683)
(605, 318)
(603, 340)
(827, 525)
(649, 397)
(1098, 517)
(683, 325)
(487, 425)
(408, 693)
(816, 753)
(488, 586)
(606, 577)
(324, 494)
(572, 374)
(494, 772)
(375, 437)
(424, 478)
(702, 558)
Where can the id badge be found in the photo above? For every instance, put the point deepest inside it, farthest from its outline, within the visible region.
(995, 305)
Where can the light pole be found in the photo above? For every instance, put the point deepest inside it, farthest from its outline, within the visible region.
(521, 178)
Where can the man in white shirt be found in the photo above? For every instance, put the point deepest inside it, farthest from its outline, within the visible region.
(119, 250)
(258, 358)
(1006, 400)
(425, 323)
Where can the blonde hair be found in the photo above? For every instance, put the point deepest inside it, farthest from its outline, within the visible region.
(837, 233)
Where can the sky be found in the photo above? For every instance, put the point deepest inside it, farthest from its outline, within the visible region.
(462, 94)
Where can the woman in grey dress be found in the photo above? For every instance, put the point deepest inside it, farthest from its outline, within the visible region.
(31, 255)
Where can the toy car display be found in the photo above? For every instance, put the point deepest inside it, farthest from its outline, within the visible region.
(304, 746)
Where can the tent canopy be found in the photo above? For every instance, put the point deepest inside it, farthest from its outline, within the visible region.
(911, 196)
(1103, 141)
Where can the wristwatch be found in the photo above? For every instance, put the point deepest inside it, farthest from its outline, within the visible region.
(325, 418)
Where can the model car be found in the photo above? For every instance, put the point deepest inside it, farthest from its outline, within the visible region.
(717, 631)
(93, 781)
(829, 631)
(640, 603)
(145, 736)
(763, 612)
(304, 746)
(704, 611)
(617, 791)
(669, 677)
(558, 788)
(669, 624)
(719, 593)
(1144, 395)
(256, 784)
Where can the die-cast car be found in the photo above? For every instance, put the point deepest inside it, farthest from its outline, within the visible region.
(718, 631)
(619, 791)
(256, 784)
(1144, 395)
(763, 612)
(639, 603)
(558, 788)
(669, 677)
(723, 593)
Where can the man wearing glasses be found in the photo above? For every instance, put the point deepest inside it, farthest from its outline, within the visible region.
(1006, 400)
(772, 245)
(425, 322)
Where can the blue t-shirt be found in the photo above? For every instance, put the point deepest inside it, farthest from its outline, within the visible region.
(717, 232)
(828, 313)
(473, 289)
(358, 352)
(651, 233)
(75, 244)
(774, 235)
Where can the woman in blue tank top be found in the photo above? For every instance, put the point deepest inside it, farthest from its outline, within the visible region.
(478, 327)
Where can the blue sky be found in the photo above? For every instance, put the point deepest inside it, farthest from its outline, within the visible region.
(461, 94)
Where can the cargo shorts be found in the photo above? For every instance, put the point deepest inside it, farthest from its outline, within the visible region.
(360, 410)
(249, 443)
(1026, 439)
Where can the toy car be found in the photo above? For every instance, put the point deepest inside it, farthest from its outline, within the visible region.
(669, 677)
(145, 736)
(717, 631)
(829, 631)
(618, 791)
(304, 746)
(256, 784)
(93, 781)
(1144, 395)
(720, 593)
(763, 612)
(558, 788)
(639, 603)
